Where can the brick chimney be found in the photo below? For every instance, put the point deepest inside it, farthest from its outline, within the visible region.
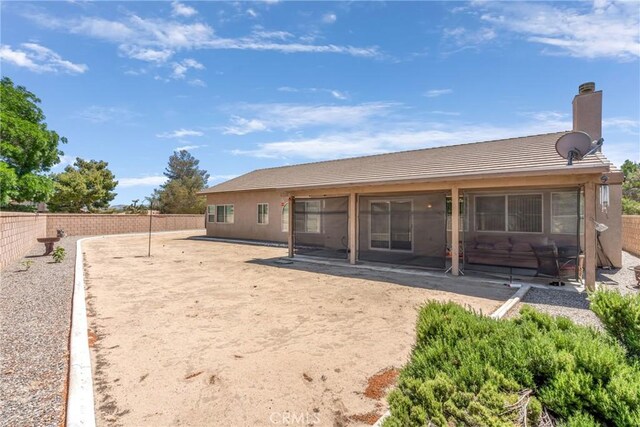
(587, 110)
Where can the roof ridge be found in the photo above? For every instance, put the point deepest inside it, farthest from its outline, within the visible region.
(403, 151)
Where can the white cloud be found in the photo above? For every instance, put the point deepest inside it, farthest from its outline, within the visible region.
(104, 114)
(197, 82)
(146, 181)
(296, 116)
(180, 68)
(252, 13)
(188, 147)
(433, 93)
(64, 161)
(465, 38)
(157, 40)
(445, 113)
(622, 124)
(337, 94)
(329, 18)
(39, 59)
(180, 133)
(604, 29)
(241, 126)
(387, 137)
(180, 9)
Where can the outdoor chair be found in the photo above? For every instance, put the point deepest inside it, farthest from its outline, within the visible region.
(547, 257)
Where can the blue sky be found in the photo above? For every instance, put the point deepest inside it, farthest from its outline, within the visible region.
(247, 85)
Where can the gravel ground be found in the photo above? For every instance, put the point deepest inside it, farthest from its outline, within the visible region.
(575, 305)
(35, 314)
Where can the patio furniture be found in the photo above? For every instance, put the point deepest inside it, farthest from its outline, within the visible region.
(48, 243)
(547, 257)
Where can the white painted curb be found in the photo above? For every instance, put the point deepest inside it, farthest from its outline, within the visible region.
(508, 305)
(80, 403)
(80, 409)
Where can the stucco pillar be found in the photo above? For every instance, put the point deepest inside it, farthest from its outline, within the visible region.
(290, 237)
(455, 231)
(590, 235)
(353, 228)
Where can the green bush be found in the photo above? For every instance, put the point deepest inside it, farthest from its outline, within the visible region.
(59, 254)
(620, 315)
(466, 369)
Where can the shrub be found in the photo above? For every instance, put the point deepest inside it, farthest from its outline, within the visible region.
(59, 254)
(620, 315)
(466, 369)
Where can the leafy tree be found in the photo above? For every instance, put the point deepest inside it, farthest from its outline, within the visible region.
(186, 179)
(631, 188)
(27, 147)
(87, 185)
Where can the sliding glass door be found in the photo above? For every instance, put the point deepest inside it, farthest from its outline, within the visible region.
(391, 225)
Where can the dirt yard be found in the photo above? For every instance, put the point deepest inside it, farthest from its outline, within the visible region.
(209, 333)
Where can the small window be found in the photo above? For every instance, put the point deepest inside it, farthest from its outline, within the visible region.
(564, 216)
(224, 214)
(263, 213)
(285, 218)
(211, 213)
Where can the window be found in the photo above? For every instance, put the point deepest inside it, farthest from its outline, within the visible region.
(564, 207)
(285, 218)
(516, 213)
(263, 213)
(211, 213)
(224, 214)
(308, 216)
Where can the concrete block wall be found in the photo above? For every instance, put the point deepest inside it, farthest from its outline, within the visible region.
(19, 231)
(631, 234)
(18, 234)
(97, 224)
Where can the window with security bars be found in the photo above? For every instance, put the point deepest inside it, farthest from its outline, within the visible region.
(263, 213)
(516, 213)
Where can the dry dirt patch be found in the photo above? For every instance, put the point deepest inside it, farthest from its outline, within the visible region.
(208, 333)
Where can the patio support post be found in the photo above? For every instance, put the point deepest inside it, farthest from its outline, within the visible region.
(290, 238)
(455, 233)
(353, 226)
(590, 235)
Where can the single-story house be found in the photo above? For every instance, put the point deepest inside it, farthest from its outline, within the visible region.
(502, 204)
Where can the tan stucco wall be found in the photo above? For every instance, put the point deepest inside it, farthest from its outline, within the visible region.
(245, 225)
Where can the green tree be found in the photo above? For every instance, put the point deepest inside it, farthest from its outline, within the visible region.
(631, 188)
(87, 185)
(186, 179)
(27, 147)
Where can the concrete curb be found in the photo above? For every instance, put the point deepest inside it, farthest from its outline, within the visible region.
(80, 409)
(80, 403)
(498, 314)
(508, 305)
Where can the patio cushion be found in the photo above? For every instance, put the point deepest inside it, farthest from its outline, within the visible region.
(522, 247)
(486, 246)
(504, 245)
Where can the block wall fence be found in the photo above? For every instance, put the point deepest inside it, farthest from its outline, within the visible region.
(631, 234)
(19, 231)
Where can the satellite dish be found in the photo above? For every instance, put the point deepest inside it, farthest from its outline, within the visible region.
(576, 146)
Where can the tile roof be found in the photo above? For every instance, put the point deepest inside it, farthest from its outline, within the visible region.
(529, 154)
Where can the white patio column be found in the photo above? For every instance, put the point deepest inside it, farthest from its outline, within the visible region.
(455, 233)
(353, 228)
(290, 239)
(590, 235)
